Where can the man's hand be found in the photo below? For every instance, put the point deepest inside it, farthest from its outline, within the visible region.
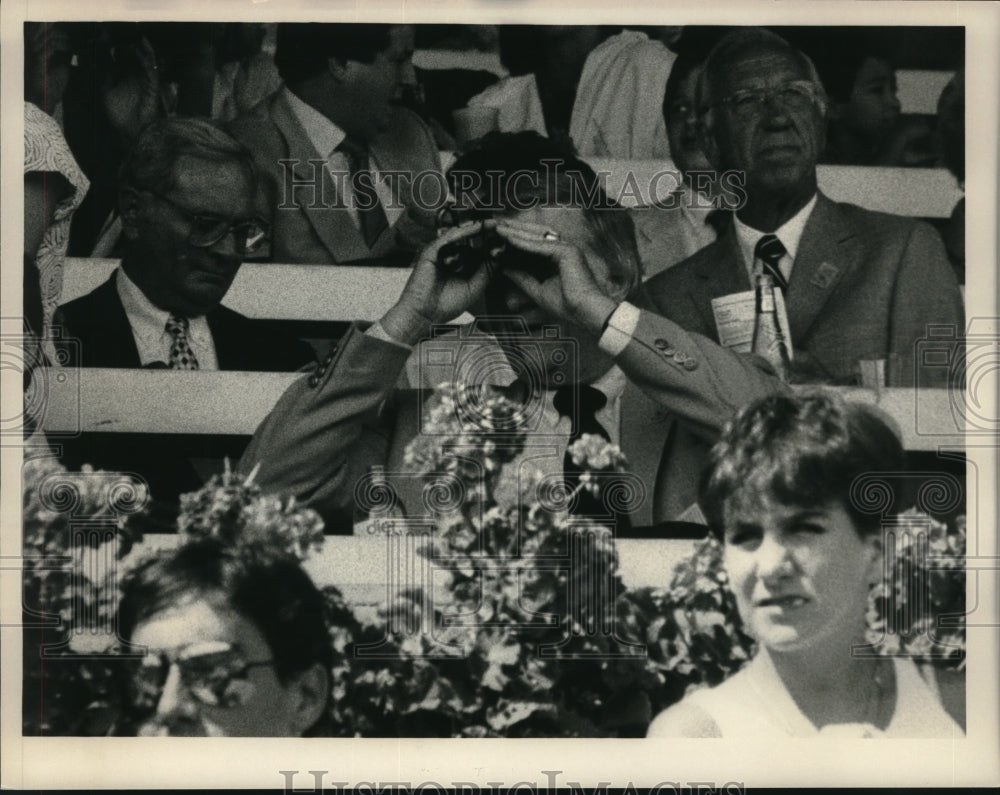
(434, 296)
(573, 293)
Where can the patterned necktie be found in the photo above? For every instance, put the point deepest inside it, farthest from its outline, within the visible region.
(581, 403)
(181, 355)
(371, 218)
(769, 251)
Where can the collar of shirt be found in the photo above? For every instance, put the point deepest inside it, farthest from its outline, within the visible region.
(323, 134)
(149, 327)
(789, 233)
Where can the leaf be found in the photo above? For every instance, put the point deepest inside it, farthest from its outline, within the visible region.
(509, 713)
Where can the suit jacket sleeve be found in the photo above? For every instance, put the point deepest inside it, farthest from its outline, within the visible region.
(315, 441)
(699, 381)
(926, 291)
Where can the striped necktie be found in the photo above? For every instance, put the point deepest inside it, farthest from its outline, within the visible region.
(769, 251)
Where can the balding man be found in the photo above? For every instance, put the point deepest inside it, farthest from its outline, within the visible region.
(858, 285)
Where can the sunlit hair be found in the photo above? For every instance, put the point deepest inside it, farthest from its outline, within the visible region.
(151, 162)
(555, 176)
(269, 590)
(801, 451)
(738, 45)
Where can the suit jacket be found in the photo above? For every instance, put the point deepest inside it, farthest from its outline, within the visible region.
(98, 321)
(166, 462)
(305, 227)
(328, 428)
(864, 285)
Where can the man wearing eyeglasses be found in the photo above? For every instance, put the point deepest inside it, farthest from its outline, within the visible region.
(858, 285)
(187, 200)
(230, 640)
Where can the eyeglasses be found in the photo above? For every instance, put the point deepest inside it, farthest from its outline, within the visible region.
(207, 230)
(214, 673)
(795, 95)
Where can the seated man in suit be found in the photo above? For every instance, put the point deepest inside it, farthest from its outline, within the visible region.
(186, 197)
(570, 277)
(339, 157)
(187, 206)
(858, 285)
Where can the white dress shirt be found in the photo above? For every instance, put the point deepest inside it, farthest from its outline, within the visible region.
(789, 233)
(325, 136)
(149, 328)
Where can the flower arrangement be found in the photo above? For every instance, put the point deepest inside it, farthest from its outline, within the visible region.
(233, 508)
(919, 607)
(536, 635)
(77, 529)
(530, 641)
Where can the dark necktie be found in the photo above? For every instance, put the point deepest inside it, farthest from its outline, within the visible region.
(181, 355)
(371, 218)
(581, 403)
(718, 220)
(769, 251)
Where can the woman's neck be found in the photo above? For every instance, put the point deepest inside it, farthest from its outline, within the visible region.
(830, 686)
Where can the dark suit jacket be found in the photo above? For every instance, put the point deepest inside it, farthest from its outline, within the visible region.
(305, 228)
(328, 428)
(864, 285)
(98, 322)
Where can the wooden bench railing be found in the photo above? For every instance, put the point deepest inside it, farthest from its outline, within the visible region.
(98, 400)
(130, 401)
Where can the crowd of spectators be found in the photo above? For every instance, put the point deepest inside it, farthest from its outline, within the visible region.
(190, 148)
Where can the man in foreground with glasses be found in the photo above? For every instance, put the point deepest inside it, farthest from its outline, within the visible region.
(858, 285)
(233, 642)
(187, 200)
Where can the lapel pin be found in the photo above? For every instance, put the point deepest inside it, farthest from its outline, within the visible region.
(825, 275)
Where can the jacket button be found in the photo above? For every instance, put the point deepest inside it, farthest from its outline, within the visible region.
(313, 380)
(668, 352)
(661, 343)
(690, 364)
(680, 358)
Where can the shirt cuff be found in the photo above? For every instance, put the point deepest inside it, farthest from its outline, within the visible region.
(621, 327)
(378, 332)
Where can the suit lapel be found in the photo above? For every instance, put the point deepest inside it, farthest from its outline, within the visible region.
(118, 345)
(720, 272)
(334, 227)
(828, 251)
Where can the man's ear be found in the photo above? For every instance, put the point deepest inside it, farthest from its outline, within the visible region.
(309, 691)
(129, 206)
(337, 67)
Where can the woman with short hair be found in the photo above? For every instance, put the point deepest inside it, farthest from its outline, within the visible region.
(801, 558)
